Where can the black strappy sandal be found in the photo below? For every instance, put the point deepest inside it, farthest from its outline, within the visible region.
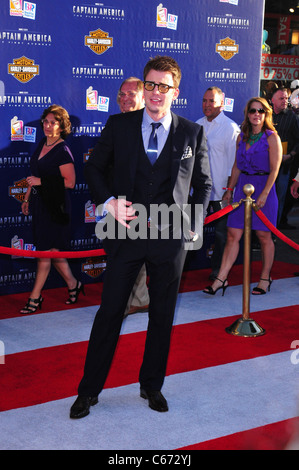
(259, 290)
(209, 290)
(32, 305)
(74, 293)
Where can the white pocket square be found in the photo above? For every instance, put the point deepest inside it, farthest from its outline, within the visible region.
(187, 153)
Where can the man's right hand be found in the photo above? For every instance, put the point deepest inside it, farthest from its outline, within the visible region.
(121, 210)
(294, 189)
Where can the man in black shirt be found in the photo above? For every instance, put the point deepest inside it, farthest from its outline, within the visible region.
(287, 126)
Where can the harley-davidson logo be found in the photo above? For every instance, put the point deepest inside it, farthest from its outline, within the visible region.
(227, 48)
(87, 155)
(18, 190)
(23, 69)
(94, 267)
(98, 41)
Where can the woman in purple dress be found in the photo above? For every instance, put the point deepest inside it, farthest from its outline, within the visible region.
(258, 158)
(52, 176)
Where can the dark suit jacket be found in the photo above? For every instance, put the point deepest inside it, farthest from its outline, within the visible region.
(119, 147)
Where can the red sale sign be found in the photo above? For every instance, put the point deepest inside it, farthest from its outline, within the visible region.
(279, 67)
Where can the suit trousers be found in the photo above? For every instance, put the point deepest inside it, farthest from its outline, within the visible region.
(165, 261)
(281, 185)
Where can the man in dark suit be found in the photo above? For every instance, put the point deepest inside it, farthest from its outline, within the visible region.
(181, 169)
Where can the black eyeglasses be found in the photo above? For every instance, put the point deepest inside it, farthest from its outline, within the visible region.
(150, 86)
(253, 111)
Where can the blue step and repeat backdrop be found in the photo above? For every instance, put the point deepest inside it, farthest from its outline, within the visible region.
(76, 53)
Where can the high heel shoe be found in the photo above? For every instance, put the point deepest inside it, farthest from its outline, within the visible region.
(259, 290)
(74, 293)
(209, 290)
(32, 305)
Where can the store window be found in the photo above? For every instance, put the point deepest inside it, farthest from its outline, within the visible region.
(280, 49)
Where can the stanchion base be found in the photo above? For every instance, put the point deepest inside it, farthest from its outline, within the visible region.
(246, 328)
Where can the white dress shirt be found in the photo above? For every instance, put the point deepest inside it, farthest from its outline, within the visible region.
(162, 131)
(221, 133)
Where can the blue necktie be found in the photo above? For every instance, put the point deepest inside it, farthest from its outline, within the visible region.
(152, 151)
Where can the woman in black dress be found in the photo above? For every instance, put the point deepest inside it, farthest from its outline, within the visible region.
(53, 175)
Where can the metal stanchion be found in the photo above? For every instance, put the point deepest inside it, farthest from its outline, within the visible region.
(246, 326)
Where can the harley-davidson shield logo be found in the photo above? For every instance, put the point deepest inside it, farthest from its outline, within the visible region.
(94, 267)
(23, 69)
(18, 190)
(227, 48)
(98, 41)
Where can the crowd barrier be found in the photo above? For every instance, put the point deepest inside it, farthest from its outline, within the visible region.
(100, 252)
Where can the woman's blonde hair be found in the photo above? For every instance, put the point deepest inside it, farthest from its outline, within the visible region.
(268, 123)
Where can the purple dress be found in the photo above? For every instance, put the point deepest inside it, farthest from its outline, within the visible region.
(253, 160)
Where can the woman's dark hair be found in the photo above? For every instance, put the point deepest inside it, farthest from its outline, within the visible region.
(62, 116)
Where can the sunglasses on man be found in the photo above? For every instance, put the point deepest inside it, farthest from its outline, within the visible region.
(150, 86)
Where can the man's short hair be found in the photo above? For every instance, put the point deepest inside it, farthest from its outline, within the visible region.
(164, 64)
(215, 88)
(282, 88)
(139, 85)
(133, 79)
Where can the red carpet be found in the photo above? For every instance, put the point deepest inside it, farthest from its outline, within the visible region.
(191, 281)
(27, 373)
(44, 375)
(271, 437)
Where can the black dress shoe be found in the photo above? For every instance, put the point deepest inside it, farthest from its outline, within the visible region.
(156, 401)
(81, 406)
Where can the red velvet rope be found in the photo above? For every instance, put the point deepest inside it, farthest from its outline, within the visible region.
(101, 252)
(51, 254)
(273, 229)
(220, 213)
(90, 253)
(82, 254)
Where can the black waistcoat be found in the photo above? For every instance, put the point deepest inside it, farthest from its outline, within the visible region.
(153, 182)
